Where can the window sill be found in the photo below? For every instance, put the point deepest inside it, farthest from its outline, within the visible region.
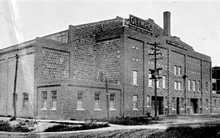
(181, 108)
(53, 109)
(135, 109)
(112, 109)
(135, 85)
(97, 109)
(80, 109)
(207, 108)
(148, 106)
(173, 109)
(150, 86)
(44, 109)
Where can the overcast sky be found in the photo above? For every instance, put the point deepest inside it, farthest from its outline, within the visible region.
(196, 22)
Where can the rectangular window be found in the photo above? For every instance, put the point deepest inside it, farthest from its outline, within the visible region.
(135, 102)
(179, 71)
(53, 100)
(164, 82)
(180, 85)
(158, 83)
(150, 81)
(189, 85)
(173, 103)
(215, 104)
(175, 85)
(25, 100)
(219, 104)
(207, 103)
(44, 100)
(182, 103)
(135, 76)
(97, 102)
(199, 86)
(175, 70)
(194, 85)
(112, 102)
(148, 101)
(80, 101)
(207, 86)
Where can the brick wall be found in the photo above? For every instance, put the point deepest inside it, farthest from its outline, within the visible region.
(84, 40)
(108, 60)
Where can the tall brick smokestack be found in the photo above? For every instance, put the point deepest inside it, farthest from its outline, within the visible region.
(166, 23)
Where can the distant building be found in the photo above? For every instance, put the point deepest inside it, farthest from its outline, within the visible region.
(62, 75)
(216, 89)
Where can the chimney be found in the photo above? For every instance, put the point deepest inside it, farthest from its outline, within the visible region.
(166, 23)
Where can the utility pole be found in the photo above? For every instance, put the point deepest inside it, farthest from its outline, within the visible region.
(155, 72)
(15, 84)
(107, 97)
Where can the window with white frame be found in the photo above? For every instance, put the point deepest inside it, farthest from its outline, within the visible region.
(112, 101)
(135, 102)
(164, 81)
(44, 100)
(189, 85)
(97, 101)
(53, 100)
(199, 86)
(175, 70)
(215, 104)
(135, 77)
(148, 101)
(25, 100)
(150, 81)
(158, 83)
(207, 86)
(175, 85)
(219, 104)
(179, 85)
(179, 70)
(194, 85)
(173, 103)
(207, 103)
(182, 103)
(80, 101)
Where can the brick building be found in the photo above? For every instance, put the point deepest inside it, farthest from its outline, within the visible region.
(62, 75)
(215, 89)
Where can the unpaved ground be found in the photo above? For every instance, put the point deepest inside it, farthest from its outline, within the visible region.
(118, 131)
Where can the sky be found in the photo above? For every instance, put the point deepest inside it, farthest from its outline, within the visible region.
(195, 22)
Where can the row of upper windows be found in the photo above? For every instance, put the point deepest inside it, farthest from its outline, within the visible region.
(160, 83)
(194, 85)
(177, 84)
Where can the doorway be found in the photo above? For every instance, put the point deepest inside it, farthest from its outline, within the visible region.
(160, 105)
(177, 106)
(194, 106)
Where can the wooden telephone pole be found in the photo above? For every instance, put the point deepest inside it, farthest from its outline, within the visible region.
(155, 72)
(15, 85)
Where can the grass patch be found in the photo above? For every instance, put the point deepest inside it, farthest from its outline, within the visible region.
(75, 127)
(5, 126)
(206, 131)
(135, 120)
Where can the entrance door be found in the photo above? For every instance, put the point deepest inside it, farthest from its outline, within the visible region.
(177, 106)
(194, 106)
(160, 106)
